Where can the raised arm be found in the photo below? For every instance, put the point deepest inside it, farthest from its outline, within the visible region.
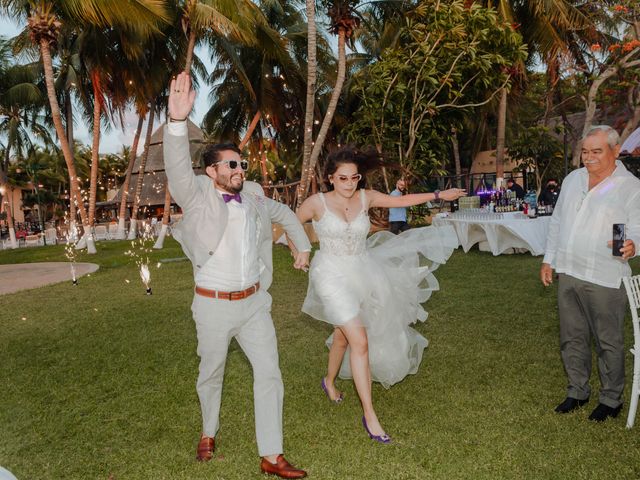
(378, 199)
(177, 157)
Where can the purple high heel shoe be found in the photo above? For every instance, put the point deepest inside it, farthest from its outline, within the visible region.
(324, 388)
(384, 438)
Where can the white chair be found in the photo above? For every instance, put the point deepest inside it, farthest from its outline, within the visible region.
(33, 240)
(100, 233)
(51, 236)
(113, 231)
(632, 286)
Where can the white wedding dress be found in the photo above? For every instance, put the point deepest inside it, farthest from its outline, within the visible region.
(380, 282)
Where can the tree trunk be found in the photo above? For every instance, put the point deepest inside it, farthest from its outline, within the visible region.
(553, 75)
(95, 159)
(8, 193)
(456, 157)
(311, 95)
(252, 127)
(190, 48)
(502, 125)
(70, 138)
(140, 179)
(68, 107)
(165, 217)
(263, 163)
(634, 105)
(590, 102)
(121, 234)
(62, 138)
(590, 111)
(326, 122)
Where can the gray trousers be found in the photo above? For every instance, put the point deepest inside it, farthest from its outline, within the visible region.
(587, 310)
(249, 321)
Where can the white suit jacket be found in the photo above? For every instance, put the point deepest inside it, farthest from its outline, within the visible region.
(205, 213)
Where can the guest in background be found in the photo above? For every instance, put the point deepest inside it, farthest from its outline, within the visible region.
(591, 300)
(551, 192)
(514, 187)
(398, 215)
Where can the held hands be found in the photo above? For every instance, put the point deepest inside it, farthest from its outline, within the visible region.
(452, 194)
(546, 274)
(628, 249)
(301, 261)
(181, 97)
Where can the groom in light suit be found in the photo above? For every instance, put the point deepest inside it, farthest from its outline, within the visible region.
(226, 233)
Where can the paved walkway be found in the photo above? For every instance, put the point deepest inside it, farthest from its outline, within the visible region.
(22, 276)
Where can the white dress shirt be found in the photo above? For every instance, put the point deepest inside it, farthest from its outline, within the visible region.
(234, 264)
(582, 224)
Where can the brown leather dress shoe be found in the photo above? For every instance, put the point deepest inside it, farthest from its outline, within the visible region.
(206, 447)
(281, 468)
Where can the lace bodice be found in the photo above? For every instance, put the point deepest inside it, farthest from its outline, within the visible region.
(339, 237)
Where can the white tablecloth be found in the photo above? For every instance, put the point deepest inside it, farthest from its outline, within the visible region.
(505, 235)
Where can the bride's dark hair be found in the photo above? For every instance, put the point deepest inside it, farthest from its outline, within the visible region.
(365, 161)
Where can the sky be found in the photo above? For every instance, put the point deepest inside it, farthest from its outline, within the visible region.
(113, 140)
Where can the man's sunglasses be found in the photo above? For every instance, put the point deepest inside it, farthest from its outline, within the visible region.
(233, 164)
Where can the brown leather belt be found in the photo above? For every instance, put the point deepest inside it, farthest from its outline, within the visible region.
(239, 295)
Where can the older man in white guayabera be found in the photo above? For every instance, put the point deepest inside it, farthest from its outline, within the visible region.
(591, 300)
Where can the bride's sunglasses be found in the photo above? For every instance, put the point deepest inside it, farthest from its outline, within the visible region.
(233, 164)
(344, 178)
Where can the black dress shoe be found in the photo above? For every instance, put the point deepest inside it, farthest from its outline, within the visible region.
(570, 404)
(602, 412)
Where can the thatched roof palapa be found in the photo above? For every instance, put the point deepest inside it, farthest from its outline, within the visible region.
(154, 175)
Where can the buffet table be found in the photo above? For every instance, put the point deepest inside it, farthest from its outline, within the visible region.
(498, 233)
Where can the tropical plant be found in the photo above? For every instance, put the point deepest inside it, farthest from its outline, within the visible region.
(343, 22)
(536, 149)
(21, 105)
(618, 61)
(449, 59)
(259, 86)
(45, 18)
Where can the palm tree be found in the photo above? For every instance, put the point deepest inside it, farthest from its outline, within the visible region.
(45, 18)
(234, 19)
(550, 29)
(121, 234)
(21, 104)
(259, 86)
(343, 23)
(133, 230)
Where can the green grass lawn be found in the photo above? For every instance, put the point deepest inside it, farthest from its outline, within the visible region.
(99, 380)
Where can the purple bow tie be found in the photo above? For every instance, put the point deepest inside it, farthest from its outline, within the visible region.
(227, 197)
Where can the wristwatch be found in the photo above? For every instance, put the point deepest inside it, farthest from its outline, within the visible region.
(437, 194)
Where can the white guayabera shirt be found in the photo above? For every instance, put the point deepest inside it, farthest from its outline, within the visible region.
(582, 224)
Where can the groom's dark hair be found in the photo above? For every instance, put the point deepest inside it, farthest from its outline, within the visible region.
(211, 153)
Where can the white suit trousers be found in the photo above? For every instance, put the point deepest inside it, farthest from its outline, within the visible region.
(249, 321)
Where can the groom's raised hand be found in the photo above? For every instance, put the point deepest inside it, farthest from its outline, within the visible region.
(181, 97)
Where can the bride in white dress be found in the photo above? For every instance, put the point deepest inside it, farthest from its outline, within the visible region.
(371, 289)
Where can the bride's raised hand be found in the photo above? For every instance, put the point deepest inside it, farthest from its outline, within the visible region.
(452, 194)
